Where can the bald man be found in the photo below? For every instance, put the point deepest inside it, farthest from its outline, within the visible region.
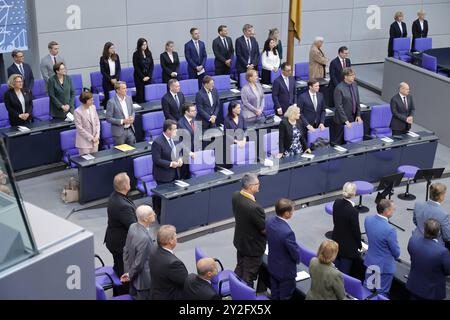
(198, 286)
(121, 214)
(402, 107)
(136, 254)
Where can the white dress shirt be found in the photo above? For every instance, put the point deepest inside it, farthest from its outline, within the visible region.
(270, 61)
(400, 26)
(248, 42)
(112, 67)
(421, 24)
(313, 96)
(210, 97)
(22, 101)
(123, 104)
(170, 56)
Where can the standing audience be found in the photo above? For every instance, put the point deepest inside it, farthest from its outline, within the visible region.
(291, 137)
(87, 124)
(419, 28)
(247, 50)
(143, 68)
(396, 30)
(284, 92)
(207, 102)
(317, 60)
(270, 60)
(337, 65)
(50, 60)
(110, 69)
(223, 51)
(22, 68)
(252, 96)
(18, 101)
(173, 101)
(198, 286)
(61, 93)
(170, 63)
(195, 54)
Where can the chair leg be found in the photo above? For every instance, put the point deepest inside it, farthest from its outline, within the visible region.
(360, 207)
(407, 196)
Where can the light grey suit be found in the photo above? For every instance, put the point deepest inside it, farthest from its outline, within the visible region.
(431, 210)
(47, 66)
(136, 255)
(115, 115)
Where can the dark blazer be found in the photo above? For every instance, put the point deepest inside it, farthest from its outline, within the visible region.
(28, 77)
(346, 231)
(204, 108)
(170, 107)
(14, 107)
(343, 103)
(143, 67)
(228, 123)
(399, 112)
(168, 66)
(430, 264)
(285, 133)
(196, 288)
(162, 157)
(249, 231)
(184, 124)
(60, 95)
(168, 275)
(121, 215)
(418, 32)
(222, 54)
(309, 115)
(242, 54)
(282, 96)
(104, 69)
(283, 249)
(336, 71)
(394, 32)
(192, 57)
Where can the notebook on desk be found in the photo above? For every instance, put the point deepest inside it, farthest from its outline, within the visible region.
(125, 147)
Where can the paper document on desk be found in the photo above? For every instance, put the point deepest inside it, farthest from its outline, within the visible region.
(226, 172)
(328, 111)
(387, 139)
(136, 106)
(88, 157)
(340, 149)
(412, 134)
(124, 147)
(69, 117)
(235, 90)
(363, 106)
(266, 86)
(182, 184)
(308, 156)
(276, 119)
(23, 128)
(302, 275)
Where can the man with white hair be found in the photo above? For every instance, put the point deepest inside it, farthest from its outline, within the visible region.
(317, 60)
(403, 109)
(346, 231)
(136, 254)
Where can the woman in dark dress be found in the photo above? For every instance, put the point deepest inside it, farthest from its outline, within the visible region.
(143, 68)
(110, 69)
(235, 122)
(18, 102)
(170, 63)
(291, 135)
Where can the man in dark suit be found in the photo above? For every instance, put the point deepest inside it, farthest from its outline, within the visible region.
(198, 287)
(136, 254)
(419, 28)
(403, 109)
(121, 214)
(172, 101)
(188, 133)
(430, 264)
(166, 160)
(22, 68)
(247, 50)
(249, 231)
(223, 51)
(347, 105)
(207, 101)
(283, 90)
(312, 104)
(168, 272)
(195, 55)
(283, 251)
(396, 30)
(346, 231)
(336, 66)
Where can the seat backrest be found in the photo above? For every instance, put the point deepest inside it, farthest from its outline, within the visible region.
(210, 68)
(354, 287)
(96, 97)
(184, 75)
(401, 46)
(3, 89)
(240, 290)
(305, 254)
(423, 44)
(154, 92)
(39, 89)
(68, 140)
(157, 74)
(143, 167)
(106, 134)
(127, 75)
(77, 82)
(380, 116)
(152, 124)
(271, 144)
(41, 109)
(4, 117)
(222, 83)
(242, 79)
(203, 163)
(429, 62)
(313, 136)
(274, 75)
(199, 254)
(100, 293)
(96, 81)
(225, 109)
(189, 87)
(302, 71)
(241, 156)
(233, 72)
(268, 105)
(355, 133)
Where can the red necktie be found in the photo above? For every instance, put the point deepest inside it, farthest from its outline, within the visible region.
(405, 102)
(192, 125)
(343, 64)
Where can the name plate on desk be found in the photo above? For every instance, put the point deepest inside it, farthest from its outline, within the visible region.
(302, 275)
(340, 149)
(235, 90)
(308, 156)
(181, 184)
(387, 140)
(412, 134)
(88, 157)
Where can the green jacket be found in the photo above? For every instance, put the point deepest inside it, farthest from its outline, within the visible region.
(326, 282)
(60, 95)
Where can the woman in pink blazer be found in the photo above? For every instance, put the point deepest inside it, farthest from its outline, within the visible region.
(87, 124)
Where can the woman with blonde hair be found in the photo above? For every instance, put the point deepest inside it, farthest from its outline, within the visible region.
(397, 30)
(252, 96)
(18, 101)
(292, 139)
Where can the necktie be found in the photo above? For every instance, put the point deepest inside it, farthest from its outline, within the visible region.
(343, 63)
(172, 146)
(315, 101)
(249, 47)
(352, 93)
(192, 125)
(177, 100)
(225, 43)
(405, 103)
(197, 48)
(54, 59)
(21, 69)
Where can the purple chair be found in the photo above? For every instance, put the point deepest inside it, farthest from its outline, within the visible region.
(402, 47)
(380, 120)
(4, 117)
(96, 97)
(106, 135)
(210, 68)
(77, 82)
(96, 82)
(305, 254)
(274, 75)
(423, 44)
(242, 80)
(329, 210)
(100, 294)
(233, 71)
(152, 124)
(362, 188)
(39, 89)
(242, 156)
(154, 92)
(313, 136)
(241, 291)
(302, 71)
(127, 75)
(143, 172)
(157, 74)
(222, 83)
(268, 105)
(409, 173)
(355, 288)
(184, 75)
(41, 109)
(105, 276)
(189, 87)
(225, 109)
(3, 88)
(355, 133)
(203, 163)
(430, 63)
(68, 146)
(271, 144)
(221, 282)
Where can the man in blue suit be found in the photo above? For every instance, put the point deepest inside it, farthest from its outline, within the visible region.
(195, 54)
(312, 104)
(207, 102)
(432, 209)
(283, 90)
(283, 251)
(336, 66)
(22, 68)
(383, 248)
(247, 50)
(187, 130)
(430, 264)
